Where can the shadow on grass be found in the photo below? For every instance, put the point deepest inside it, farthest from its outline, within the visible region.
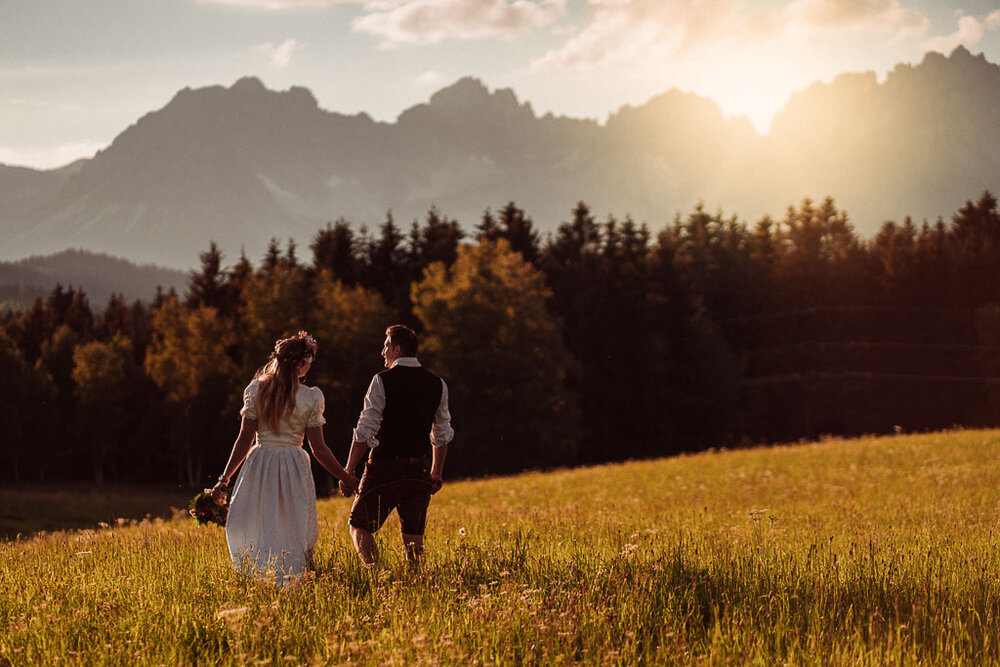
(29, 509)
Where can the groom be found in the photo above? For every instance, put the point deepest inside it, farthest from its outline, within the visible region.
(404, 429)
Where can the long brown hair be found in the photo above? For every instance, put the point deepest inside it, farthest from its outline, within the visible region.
(279, 378)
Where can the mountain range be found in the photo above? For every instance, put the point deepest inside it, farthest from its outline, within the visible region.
(244, 164)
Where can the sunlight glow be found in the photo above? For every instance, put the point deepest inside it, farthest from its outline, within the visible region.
(752, 88)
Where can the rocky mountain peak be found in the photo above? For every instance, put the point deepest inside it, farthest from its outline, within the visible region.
(469, 97)
(243, 163)
(468, 92)
(248, 84)
(939, 74)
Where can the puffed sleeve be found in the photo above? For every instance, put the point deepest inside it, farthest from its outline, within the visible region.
(316, 417)
(249, 409)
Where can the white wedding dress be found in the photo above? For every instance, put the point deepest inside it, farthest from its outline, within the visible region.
(271, 528)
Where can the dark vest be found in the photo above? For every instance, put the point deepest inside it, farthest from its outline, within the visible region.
(412, 397)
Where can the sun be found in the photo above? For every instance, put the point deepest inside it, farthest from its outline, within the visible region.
(757, 101)
(754, 87)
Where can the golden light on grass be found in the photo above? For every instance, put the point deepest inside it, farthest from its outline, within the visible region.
(876, 550)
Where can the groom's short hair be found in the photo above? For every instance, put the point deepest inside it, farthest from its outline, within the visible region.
(404, 337)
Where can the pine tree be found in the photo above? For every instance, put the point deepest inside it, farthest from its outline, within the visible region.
(333, 249)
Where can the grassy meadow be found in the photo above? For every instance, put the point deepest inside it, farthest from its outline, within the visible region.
(870, 551)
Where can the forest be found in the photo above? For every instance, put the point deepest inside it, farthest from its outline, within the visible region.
(604, 340)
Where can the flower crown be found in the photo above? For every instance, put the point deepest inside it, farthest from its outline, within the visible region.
(310, 341)
(297, 361)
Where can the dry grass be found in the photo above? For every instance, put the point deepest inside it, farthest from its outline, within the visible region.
(878, 551)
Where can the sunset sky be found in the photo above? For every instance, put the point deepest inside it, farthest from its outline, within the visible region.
(73, 75)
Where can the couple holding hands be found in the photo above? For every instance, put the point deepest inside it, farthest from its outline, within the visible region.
(404, 430)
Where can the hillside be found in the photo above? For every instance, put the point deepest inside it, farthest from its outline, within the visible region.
(243, 164)
(98, 275)
(869, 551)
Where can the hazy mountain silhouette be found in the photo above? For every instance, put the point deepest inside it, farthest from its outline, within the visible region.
(243, 164)
(921, 143)
(97, 275)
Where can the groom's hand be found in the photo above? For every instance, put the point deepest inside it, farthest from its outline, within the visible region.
(436, 483)
(349, 486)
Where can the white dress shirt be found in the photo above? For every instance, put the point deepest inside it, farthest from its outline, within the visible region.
(371, 415)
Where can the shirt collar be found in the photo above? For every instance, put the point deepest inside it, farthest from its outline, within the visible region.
(406, 361)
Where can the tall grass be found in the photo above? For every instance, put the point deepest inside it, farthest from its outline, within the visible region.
(877, 550)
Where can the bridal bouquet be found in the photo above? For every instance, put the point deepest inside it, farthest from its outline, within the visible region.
(206, 509)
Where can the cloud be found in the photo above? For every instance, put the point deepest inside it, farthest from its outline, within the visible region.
(281, 4)
(870, 16)
(646, 32)
(280, 55)
(993, 20)
(969, 32)
(431, 21)
(625, 31)
(430, 79)
(51, 157)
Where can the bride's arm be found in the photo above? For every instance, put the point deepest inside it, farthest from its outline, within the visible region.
(326, 458)
(244, 441)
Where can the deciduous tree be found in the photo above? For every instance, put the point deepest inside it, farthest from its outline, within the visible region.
(489, 333)
(349, 325)
(106, 380)
(188, 362)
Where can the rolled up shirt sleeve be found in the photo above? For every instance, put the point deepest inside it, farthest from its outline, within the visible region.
(371, 414)
(442, 432)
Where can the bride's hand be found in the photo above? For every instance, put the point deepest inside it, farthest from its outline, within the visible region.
(218, 492)
(348, 485)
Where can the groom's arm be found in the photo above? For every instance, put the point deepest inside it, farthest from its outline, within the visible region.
(437, 467)
(359, 450)
(369, 422)
(441, 430)
(441, 434)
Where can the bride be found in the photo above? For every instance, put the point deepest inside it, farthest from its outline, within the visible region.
(271, 528)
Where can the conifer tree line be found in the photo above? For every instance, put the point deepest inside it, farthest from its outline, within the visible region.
(600, 341)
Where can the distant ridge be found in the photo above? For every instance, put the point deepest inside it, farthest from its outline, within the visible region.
(243, 164)
(98, 275)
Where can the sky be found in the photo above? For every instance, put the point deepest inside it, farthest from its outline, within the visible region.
(74, 74)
